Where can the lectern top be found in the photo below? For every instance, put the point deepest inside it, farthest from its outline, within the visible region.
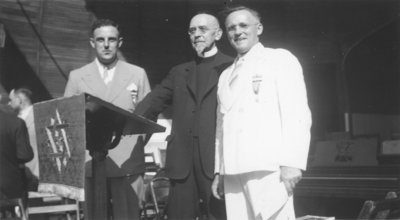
(134, 124)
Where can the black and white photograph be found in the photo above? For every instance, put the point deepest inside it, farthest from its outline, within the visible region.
(199, 109)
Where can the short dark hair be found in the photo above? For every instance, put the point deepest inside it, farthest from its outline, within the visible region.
(24, 91)
(104, 22)
(228, 10)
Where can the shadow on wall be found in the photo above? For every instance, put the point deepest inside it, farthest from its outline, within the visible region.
(15, 72)
(372, 69)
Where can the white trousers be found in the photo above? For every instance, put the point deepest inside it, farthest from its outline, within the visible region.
(258, 195)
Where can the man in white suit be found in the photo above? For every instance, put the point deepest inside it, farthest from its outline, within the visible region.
(263, 125)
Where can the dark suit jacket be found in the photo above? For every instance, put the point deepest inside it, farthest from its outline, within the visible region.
(15, 150)
(179, 90)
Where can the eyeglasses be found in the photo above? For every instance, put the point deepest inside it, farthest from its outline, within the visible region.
(242, 26)
(202, 29)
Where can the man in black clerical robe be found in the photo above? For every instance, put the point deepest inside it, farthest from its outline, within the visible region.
(190, 88)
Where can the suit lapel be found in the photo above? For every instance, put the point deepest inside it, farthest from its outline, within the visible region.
(214, 75)
(212, 82)
(118, 83)
(239, 91)
(94, 82)
(230, 96)
(191, 78)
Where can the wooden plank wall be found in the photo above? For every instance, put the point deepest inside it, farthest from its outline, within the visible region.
(63, 26)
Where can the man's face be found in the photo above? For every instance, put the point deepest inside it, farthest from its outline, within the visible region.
(243, 30)
(15, 101)
(106, 42)
(204, 31)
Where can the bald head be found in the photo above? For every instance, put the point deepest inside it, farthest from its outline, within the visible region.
(204, 30)
(211, 20)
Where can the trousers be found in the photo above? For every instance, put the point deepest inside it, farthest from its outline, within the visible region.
(191, 197)
(258, 195)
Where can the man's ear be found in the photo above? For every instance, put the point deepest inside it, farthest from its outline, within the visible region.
(120, 41)
(92, 42)
(218, 34)
(260, 28)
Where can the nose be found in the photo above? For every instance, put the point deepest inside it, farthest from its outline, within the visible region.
(197, 33)
(235, 30)
(238, 30)
(106, 44)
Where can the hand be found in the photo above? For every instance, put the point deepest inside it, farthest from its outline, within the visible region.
(217, 187)
(290, 176)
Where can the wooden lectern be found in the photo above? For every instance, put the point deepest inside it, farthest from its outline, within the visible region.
(83, 121)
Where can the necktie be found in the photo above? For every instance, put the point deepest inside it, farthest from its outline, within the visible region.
(106, 76)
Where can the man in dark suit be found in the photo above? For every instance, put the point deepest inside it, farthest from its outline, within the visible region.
(15, 150)
(21, 102)
(190, 88)
(123, 85)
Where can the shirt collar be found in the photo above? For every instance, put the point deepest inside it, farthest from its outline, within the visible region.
(210, 53)
(23, 114)
(254, 51)
(109, 67)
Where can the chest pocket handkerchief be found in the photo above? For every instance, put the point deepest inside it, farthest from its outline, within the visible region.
(133, 90)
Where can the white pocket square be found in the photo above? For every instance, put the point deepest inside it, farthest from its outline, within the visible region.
(132, 87)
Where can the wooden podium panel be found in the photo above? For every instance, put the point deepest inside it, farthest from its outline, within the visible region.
(61, 141)
(65, 128)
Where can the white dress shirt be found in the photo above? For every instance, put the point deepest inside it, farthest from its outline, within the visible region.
(110, 71)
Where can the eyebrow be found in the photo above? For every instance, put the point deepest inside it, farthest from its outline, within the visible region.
(102, 38)
(200, 26)
(241, 24)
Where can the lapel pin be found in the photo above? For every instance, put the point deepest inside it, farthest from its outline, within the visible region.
(256, 80)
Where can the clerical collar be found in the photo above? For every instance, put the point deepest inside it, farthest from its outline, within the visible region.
(210, 53)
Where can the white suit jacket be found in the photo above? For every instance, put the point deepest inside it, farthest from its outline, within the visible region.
(265, 122)
(128, 87)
